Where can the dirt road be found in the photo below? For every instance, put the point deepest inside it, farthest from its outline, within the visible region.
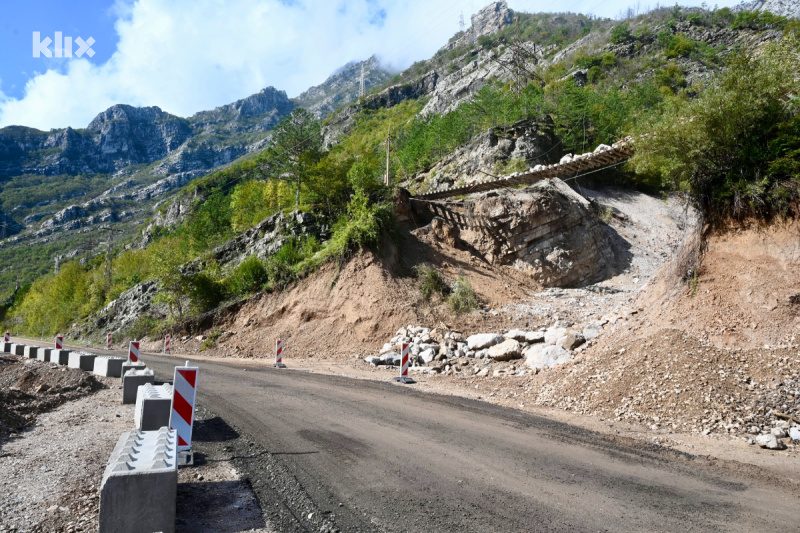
(383, 457)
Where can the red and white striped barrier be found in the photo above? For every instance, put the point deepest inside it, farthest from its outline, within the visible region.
(108, 341)
(133, 352)
(59, 342)
(167, 341)
(403, 377)
(279, 354)
(181, 415)
(7, 337)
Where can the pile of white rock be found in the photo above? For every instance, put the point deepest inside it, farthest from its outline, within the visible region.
(544, 348)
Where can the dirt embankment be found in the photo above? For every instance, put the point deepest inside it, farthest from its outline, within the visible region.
(715, 352)
(746, 294)
(28, 388)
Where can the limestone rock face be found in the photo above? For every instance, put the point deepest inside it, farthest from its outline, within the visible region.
(491, 19)
(342, 87)
(547, 230)
(527, 141)
(784, 8)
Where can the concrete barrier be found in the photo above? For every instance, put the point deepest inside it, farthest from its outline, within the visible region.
(18, 349)
(44, 353)
(127, 365)
(6, 347)
(140, 484)
(132, 380)
(31, 352)
(153, 404)
(82, 360)
(109, 366)
(60, 357)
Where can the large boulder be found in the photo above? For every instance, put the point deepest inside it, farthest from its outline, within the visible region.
(546, 230)
(552, 335)
(539, 356)
(770, 442)
(505, 351)
(483, 340)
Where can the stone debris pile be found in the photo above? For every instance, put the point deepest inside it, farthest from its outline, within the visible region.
(449, 351)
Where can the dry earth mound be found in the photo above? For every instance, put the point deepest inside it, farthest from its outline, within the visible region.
(29, 387)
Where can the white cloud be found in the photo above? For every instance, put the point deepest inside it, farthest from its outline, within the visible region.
(189, 55)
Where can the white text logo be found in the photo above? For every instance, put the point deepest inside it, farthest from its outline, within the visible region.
(63, 46)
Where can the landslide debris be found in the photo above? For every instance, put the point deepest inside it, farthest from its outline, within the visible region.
(29, 387)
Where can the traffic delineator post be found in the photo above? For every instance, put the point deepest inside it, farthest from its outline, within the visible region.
(279, 354)
(181, 416)
(403, 377)
(133, 352)
(59, 342)
(108, 341)
(7, 337)
(167, 340)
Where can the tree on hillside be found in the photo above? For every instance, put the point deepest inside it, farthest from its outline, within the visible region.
(734, 148)
(296, 148)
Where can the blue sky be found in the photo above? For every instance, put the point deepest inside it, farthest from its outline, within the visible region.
(189, 55)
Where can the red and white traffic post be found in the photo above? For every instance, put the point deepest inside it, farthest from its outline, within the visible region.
(403, 377)
(7, 337)
(279, 354)
(59, 342)
(181, 416)
(108, 341)
(167, 340)
(133, 352)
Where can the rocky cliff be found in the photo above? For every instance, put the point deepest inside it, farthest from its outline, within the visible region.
(343, 87)
(784, 8)
(547, 230)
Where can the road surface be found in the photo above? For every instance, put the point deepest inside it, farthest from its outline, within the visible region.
(379, 456)
(383, 457)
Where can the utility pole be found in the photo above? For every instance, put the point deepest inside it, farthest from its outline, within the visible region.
(361, 85)
(461, 24)
(386, 179)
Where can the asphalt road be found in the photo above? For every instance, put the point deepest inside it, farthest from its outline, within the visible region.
(379, 456)
(400, 460)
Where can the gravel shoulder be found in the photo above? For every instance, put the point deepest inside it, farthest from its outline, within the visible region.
(51, 469)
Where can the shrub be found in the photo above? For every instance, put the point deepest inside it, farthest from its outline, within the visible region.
(729, 147)
(145, 326)
(205, 292)
(430, 282)
(279, 269)
(621, 34)
(211, 340)
(679, 45)
(462, 297)
(247, 278)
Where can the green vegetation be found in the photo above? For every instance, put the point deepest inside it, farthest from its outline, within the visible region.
(430, 282)
(211, 340)
(462, 297)
(733, 146)
(736, 147)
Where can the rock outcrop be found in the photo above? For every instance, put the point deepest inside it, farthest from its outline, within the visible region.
(784, 8)
(547, 229)
(342, 87)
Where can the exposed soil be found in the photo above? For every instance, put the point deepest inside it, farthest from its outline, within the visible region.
(681, 357)
(29, 387)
